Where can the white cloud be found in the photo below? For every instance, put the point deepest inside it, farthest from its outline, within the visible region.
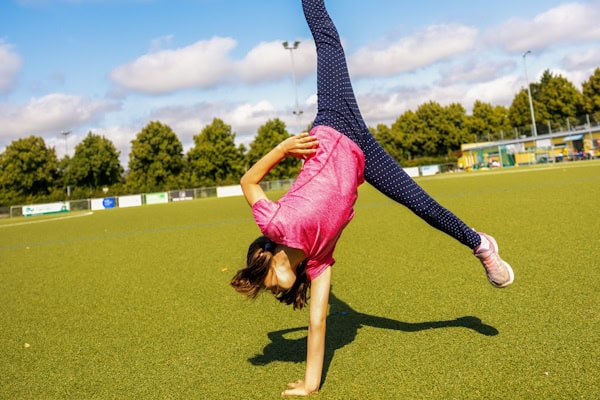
(188, 121)
(208, 64)
(474, 71)
(589, 59)
(499, 91)
(567, 23)
(264, 62)
(51, 113)
(270, 61)
(10, 66)
(247, 117)
(433, 44)
(576, 77)
(386, 106)
(203, 64)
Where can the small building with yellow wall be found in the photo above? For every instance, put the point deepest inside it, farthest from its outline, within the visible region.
(554, 147)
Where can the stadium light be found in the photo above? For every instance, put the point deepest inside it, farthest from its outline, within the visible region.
(65, 134)
(291, 47)
(533, 127)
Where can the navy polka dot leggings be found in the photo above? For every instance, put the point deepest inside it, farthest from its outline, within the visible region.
(337, 108)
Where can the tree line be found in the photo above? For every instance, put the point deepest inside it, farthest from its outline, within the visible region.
(31, 172)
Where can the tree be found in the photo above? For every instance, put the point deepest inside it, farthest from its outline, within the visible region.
(429, 128)
(390, 141)
(431, 131)
(488, 122)
(156, 159)
(95, 163)
(501, 122)
(439, 129)
(591, 95)
(453, 129)
(270, 135)
(555, 100)
(214, 159)
(28, 168)
(407, 130)
(561, 99)
(519, 112)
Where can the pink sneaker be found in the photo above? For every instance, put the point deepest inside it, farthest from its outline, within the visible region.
(498, 272)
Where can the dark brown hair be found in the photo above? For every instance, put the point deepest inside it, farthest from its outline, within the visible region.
(250, 279)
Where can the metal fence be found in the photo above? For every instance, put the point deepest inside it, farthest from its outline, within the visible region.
(581, 122)
(173, 195)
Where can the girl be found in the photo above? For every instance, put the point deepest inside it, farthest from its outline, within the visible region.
(302, 228)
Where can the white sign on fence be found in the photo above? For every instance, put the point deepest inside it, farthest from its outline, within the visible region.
(157, 198)
(130, 201)
(102, 204)
(228, 191)
(413, 172)
(428, 170)
(50, 208)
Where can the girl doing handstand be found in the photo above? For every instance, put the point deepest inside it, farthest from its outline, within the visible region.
(300, 231)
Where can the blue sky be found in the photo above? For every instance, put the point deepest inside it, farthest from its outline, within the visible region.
(112, 66)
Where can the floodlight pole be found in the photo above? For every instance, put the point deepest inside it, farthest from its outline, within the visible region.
(533, 127)
(291, 47)
(65, 134)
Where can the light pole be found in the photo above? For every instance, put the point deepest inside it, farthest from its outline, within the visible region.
(286, 45)
(533, 127)
(65, 134)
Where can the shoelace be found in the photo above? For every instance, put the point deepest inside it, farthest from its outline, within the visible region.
(491, 261)
(489, 258)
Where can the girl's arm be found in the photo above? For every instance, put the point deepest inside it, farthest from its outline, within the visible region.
(319, 299)
(298, 146)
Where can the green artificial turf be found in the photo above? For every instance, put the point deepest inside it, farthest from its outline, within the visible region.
(135, 303)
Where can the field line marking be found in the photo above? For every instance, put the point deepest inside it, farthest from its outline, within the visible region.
(47, 220)
(124, 234)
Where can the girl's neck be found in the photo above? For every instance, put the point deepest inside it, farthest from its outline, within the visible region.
(289, 257)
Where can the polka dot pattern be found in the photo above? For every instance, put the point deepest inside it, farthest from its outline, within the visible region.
(337, 108)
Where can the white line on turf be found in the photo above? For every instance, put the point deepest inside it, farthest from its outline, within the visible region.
(47, 220)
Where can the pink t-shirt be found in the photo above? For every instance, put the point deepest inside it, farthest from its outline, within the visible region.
(319, 205)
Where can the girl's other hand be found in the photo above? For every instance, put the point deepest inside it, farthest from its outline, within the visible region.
(300, 146)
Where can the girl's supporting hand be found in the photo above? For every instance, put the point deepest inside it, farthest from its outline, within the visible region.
(297, 389)
(300, 146)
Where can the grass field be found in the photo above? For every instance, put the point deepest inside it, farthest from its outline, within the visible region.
(135, 303)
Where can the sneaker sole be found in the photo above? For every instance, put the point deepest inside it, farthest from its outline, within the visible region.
(511, 275)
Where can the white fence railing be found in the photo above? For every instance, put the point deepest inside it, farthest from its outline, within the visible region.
(134, 200)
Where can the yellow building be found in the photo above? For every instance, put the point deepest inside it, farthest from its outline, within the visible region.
(554, 147)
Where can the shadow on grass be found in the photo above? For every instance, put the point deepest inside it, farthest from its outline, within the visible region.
(343, 324)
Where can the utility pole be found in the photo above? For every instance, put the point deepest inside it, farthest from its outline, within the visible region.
(533, 127)
(291, 47)
(65, 134)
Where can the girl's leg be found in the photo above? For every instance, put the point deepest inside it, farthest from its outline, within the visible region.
(337, 108)
(385, 174)
(336, 105)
